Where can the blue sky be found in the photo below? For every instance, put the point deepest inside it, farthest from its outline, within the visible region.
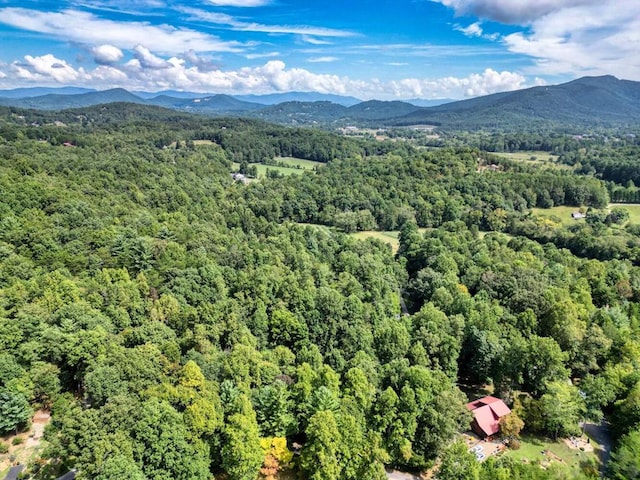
(369, 49)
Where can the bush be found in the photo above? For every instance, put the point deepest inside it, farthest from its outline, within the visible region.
(4, 448)
(514, 444)
(17, 441)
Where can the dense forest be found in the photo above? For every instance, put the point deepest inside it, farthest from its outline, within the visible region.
(180, 325)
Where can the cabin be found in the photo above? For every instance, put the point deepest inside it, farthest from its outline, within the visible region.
(487, 412)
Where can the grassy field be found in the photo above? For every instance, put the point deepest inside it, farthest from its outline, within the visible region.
(632, 208)
(294, 166)
(536, 449)
(299, 162)
(559, 214)
(532, 156)
(563, 214)
(388, 237)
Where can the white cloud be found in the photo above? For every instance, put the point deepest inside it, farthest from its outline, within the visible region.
(148, 59)
(147, 71)
(314, 41)
(85, 28)
(253, 56)
(489, 81)
(513, 11)
(106, 54)
(588, 39)
(322, 59)
(48, 68)
(566, 37)
(473, 30)
(239, 3)
(240, 25)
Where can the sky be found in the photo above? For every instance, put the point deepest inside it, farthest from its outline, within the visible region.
(384, 49)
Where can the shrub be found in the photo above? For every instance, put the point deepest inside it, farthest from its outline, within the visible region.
(514, 444)
(17, 441)
(4, 448)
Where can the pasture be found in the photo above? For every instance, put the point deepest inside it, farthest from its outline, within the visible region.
(530, 156)
(285, 166)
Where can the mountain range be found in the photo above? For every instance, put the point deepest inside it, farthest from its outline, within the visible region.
(588, 101)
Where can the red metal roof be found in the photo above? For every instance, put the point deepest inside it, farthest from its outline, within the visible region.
(487, 412)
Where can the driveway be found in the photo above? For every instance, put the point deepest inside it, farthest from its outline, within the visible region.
(396, 475)
(600, 433)
(14, 472)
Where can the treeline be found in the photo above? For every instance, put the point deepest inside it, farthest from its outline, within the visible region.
(431, 186)
(243, 140)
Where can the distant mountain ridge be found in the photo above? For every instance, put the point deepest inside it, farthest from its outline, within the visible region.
(588, 101)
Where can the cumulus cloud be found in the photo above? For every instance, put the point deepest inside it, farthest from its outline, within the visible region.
(577, 37)
(512, 11)
(86, 28)
(150, 72)
(489, 81)
(148, 59)
(473, 30)
(106, 54)
(588, 39)
(47, 68)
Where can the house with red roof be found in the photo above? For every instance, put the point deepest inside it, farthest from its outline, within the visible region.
(487, 413)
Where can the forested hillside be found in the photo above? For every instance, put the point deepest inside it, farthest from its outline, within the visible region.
(584, 103)
(180, 325)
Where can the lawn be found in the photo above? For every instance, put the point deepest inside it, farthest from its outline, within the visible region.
(534, 449)
(299, 162)
(563, 214)
(559, 214)
(632, 208)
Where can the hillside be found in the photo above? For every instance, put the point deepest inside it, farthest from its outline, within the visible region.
(211, 104)
(585, 102)
(56, 101)
(588, 101)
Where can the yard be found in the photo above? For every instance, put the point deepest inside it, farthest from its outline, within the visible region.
(562, 214)
(632, 208)
(547, 451)
(28, 446)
